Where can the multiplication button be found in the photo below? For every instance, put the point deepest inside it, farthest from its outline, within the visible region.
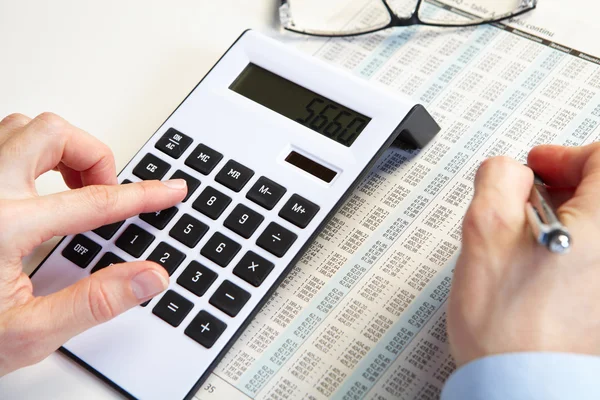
(81, 250)
(253, 268)
(299, 211)
(173, 143)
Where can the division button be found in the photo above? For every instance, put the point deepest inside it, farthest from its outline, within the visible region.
(172, 308)
(229, 298)
(276, 239)
(151, 167)
(205, 329)
(266, 193)
(253, 268)
(234, 175)
(299, 211)
(203, 159)
(81, 250)
(173, 143)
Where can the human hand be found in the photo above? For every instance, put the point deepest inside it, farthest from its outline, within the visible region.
(510, 294)
(33, 327)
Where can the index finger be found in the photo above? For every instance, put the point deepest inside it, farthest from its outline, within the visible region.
(49, 140)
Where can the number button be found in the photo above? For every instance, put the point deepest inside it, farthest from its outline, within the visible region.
(266, 193)
(229, 298)
(276, 239)
(205, 329)
(192, 183)
(159, 219)
(173, 143)
(234, 175)
(151, 167)
(299, 211)
(167, 256)
(106, 260)
(134, 240)
(81, 250)
(188, 230)
(243, 221)
(211, 202)
(108, 231)
(196, 278)
(253, 268)
(220, 249)
(172, 308)
(203, 159)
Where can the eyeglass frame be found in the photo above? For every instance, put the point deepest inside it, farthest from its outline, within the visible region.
(287, 22)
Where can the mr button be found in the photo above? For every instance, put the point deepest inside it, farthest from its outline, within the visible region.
(299, 211)
(81, 250)
(234, 175)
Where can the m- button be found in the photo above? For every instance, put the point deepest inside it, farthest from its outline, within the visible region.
(299, 211)
(266, 193)
(234, 175)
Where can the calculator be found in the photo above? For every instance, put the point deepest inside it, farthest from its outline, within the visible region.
(270, 142)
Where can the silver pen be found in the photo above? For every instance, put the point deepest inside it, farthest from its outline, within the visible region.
(547, 228)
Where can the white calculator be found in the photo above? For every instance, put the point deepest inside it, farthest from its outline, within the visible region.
(270, 142)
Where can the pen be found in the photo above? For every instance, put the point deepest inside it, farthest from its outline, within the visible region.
(547, 229)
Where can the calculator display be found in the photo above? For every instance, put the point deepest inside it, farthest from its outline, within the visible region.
(308, 108)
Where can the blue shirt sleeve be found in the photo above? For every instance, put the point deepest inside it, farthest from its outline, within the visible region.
(526, 376)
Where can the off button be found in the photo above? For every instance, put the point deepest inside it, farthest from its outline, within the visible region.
(299, 211)
(81, 250)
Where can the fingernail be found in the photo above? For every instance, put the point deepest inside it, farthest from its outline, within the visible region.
(147, 284)
(175, 183)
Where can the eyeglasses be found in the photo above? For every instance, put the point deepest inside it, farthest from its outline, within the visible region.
(323, 17)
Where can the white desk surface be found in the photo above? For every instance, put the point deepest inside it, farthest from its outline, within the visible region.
(116, 69)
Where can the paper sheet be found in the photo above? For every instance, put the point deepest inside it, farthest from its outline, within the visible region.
(362, 315)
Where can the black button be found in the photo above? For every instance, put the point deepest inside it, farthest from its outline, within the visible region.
(205, 329)
(151, 167)
(173, 143)
(234, 175)
(266, 193)
(167, 256)
(125, 182)
(159, 219)
(220, 249)
(299, 211)
(197, 278)
(172, 308)
(203, 159)
(134, 240)
(106, 260)
(192, 183)
(276, 239)
(253, 268)
(211, 202)
(81, 250)
(229, 298)
(243, 221)
(107, 231)
(188, 230)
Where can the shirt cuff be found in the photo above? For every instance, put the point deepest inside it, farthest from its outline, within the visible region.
(526, 376)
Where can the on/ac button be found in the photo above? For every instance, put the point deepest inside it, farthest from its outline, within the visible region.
(299, 211)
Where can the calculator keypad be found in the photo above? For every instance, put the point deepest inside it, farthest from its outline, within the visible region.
(229, 298)
(151, 167)
(198, 278)
(173, 143)
(220, 249)
(234, 175)
(211, 203)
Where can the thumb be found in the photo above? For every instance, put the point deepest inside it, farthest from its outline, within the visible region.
(98, 298)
